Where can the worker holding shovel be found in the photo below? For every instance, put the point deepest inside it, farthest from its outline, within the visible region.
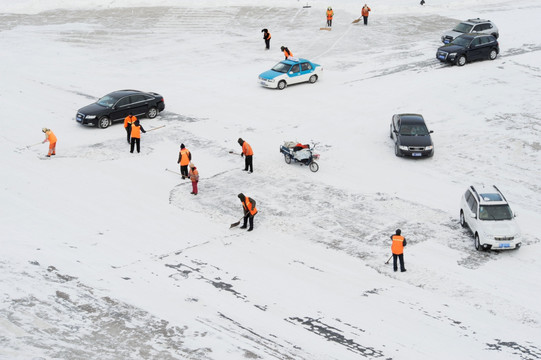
(51, 138)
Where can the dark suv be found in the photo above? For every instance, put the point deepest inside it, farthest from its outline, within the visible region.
(469, 47)
(119, 104)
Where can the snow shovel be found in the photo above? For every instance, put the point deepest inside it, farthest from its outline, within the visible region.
(325, 28)
(236, 223)
(356, 21)
(174, 172)
(386, 262)
(156, 128)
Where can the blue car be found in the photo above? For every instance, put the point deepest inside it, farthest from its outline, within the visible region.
(290, 71)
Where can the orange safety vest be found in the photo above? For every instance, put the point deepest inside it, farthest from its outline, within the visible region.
(184, 157)
(267, 36)
(330, 14)
(129, 120)
(247, 149)
(397, 247)
(51, 137)
(248, 206)
(365, 11)
(194, 174)
(136, 132)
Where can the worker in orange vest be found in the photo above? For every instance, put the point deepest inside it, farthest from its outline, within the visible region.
(135, 135)
(51, 138)
(397, 248)
(248, 155)
(267, 38)
(128, 122)
(286, 51)
(194, 176)
(250, 210)
(364, 13)
(330, 14)
(184, 158)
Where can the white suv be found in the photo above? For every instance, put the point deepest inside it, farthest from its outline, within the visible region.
(475, 26)
(488, 215)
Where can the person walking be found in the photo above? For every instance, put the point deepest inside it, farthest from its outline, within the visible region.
(248, 154)
(287, 52)
(135, 135)
(128, 122)
(51, 138)
(184, 158)
(397, 248)
(364, 13)
(194, 176)
(267, 38)
(330, 15)
(248, 205)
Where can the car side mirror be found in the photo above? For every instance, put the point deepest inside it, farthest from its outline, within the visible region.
(473, 216)
(431, 131)
(395, 131)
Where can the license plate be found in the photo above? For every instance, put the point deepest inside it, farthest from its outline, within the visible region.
(416, 154)
(263, 83)
(441, 57)
(504, 245)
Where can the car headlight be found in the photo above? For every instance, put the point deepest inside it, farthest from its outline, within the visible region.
(402, 147)
(90, 117)
(430, 147)
(270, 80)
(452, 55)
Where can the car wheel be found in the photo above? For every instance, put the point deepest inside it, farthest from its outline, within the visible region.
(282, 85)
(313, 79)
(397, 150)
(477, 243)
(287, 158)
(462, 220)
(391, 131)
(492, 55)
(152, 113)
(461, 61)
(314, 166)
(104, 122)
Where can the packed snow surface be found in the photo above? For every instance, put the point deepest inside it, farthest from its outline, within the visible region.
(107, 255)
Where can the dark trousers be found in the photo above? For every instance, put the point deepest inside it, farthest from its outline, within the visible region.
(267, 43)
(248, 164)
(401, 258)
(184, 170)
(329, 23)
(246, 219)
(365, 18)
(128, 132)
(135, 141)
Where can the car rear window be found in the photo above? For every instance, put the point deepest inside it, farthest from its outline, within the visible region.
(463, 28)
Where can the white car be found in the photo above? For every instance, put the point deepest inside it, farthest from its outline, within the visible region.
(290, 71)
(471, 26)
(490, 218)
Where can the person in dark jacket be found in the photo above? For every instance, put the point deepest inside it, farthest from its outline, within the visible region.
(267, 38)
(248, 154)
(184, 158)
(287, 52)
(136, 129)
(397, 248)
(248, 205)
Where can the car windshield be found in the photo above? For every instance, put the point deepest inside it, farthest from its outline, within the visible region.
(461, 41)
(413, 130)
(495, 212)
(107, 101)
(463, 28)
(281, 67)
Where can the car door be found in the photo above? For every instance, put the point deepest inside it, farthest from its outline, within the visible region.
(139, 105)
(395, 126)
(306, 70)
(121, 109)
(476, 49)
(295, 74)
(472, 216)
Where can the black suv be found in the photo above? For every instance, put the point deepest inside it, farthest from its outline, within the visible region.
(469, 47)
(119, 104)
(410, 135)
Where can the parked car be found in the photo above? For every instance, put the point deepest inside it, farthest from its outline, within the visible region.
(289, 72)
(475, 26)
(469, 47)
(119, 104)
(411, 136)
(490, 218)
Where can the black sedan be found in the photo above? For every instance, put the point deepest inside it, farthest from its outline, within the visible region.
(411, 136)
(469, 47)
(119, 104)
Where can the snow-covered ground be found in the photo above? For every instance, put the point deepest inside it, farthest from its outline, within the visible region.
(104, 255)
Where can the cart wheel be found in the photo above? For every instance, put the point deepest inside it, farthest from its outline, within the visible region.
(314, 166)
(287, 158)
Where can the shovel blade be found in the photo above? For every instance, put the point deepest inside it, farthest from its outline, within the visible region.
(234, 224)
